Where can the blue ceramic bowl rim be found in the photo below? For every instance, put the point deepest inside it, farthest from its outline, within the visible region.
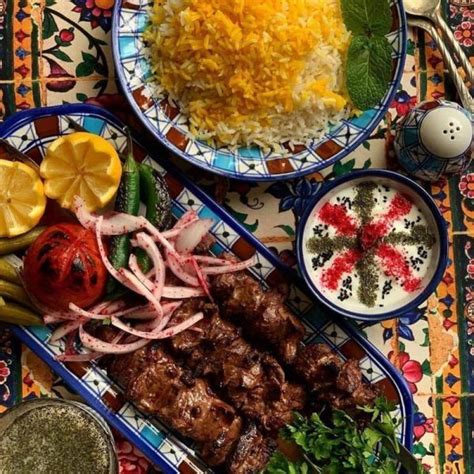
(442, 234)
(380, 113)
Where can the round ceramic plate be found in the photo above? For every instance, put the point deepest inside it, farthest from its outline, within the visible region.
(399, 265)
(169, 126)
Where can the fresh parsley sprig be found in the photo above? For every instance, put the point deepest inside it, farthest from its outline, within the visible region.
(341, 446)
(369, 59)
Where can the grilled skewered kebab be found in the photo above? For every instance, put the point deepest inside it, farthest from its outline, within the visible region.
(158, 385)
(263, 312)
(252, 380)
(266, 318)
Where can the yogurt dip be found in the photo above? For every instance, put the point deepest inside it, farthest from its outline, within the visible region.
(370, 246)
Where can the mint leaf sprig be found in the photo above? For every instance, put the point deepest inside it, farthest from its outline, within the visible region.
(369, 58)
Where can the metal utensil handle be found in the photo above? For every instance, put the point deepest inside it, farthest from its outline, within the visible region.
(452, 41)
(463, 91)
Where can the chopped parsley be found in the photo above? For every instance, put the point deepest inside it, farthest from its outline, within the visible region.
(341, 445)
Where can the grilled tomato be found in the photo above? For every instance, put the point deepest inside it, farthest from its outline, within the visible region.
(64, 266)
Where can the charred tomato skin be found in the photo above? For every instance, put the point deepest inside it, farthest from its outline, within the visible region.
(64, 266)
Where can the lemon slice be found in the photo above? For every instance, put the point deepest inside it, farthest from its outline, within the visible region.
(81, 164)
(22, 199)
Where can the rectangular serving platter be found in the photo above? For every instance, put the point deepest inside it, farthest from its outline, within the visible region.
(31, 132)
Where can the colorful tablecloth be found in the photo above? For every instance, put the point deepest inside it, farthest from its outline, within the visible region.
(59, 51)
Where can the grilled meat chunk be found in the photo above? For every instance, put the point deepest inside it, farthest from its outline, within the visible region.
(158, 385)
(252, 380)
(355, 391)
(263, 312)
(332, 381)
(318, 366)
(252, 452)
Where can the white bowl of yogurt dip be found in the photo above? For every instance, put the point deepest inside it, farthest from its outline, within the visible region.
(372, 245)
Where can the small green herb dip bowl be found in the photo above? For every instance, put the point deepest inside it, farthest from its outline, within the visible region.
(55, 436)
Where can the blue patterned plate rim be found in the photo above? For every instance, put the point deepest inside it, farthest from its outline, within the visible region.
(252, 174)
(441, 228)
(24, 118)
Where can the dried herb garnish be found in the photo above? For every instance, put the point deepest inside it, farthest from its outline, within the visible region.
(368, 280)
(330, 244)
(364, 201)
(419, 235)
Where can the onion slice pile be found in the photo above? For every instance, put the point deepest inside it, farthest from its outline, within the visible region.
(171, 252)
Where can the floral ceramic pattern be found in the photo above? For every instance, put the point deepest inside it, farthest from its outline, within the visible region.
(443, 420)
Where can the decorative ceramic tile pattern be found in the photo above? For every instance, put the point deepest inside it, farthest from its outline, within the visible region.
(433, 347)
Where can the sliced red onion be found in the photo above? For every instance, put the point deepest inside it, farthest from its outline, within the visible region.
(201, 278)
(84, 216)
(158, 333)
(190, 237)
(144, 312)
(86, 357)
(117, 274)
(158, 237)
(234, 267)
(182, 292)
(98, 345)
(176, 266)
(142, 290)
(176, 230)
(115, 224)
(100, 308)
(109, 307)
(105, 315)
(188, 217)
(149, 246)
(168, 310)
(136, 270)
(118, 323)
(173, 330)
(65, 328)
(208, 260)
(52, 318)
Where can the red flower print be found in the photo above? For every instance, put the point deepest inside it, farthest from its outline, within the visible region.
(466, 185)
(467, 13)
(131, 461)
(464, 33)
(411, 369)
(4, 372)
(97, 12)
(422, 425)
(66, 35)
(403, 103)
(57, 79)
